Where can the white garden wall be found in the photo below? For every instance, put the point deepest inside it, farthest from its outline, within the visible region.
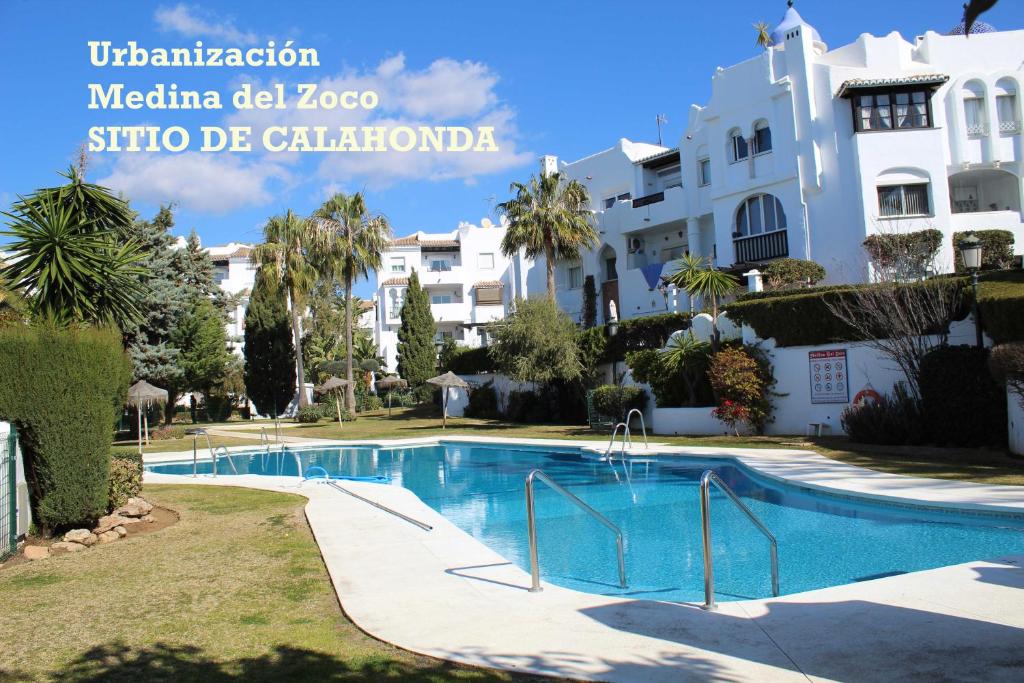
(1015, 422)
(458, 399)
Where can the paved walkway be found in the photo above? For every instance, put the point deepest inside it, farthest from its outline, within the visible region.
(442, 593)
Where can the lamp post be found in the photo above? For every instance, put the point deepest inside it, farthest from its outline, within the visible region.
(613, 329)
(970, 249)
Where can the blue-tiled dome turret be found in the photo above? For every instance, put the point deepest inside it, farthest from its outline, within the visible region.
(791, 20)
(978, 26)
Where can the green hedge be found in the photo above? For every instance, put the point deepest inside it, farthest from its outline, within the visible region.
(1001, 300)
(962, 404)
(463, 361)
(996, 248)
(647, 332)
(483, 402)
(64, 390)
(803, 317)
(614, 401)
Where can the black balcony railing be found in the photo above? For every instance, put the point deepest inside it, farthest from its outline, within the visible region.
(649, 199)
(761, 247)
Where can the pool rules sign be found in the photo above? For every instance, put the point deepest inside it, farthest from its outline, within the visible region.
(829, 376)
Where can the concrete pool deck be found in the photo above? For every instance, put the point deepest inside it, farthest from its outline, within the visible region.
(443, 593)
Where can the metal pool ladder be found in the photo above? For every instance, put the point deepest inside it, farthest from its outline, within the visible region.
(195, 433)
(709, 477)
(223, 452)
(643, 426)
(531, 522)
(625, 436)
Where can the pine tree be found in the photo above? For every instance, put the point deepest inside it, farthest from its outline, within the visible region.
(196, 268)
(202, 343)
(148, 341)
(269, 350)
(417, 357)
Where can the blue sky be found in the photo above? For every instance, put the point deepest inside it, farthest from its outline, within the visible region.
(564, 78)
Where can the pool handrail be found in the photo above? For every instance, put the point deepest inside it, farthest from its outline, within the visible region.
(643, 426)
(195, 433)
(611, 442)
(222, 450)
(423, 525)
(531, 526)
(706, 479)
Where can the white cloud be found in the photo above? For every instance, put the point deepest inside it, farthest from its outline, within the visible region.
(209, 183)
(193, 22)
(447, 92)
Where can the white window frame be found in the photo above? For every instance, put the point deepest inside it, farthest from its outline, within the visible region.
(903, 200)
(397, 264)
(703, 179)
(735, 138)
(755, 147)
(482, 260)
(572, 282)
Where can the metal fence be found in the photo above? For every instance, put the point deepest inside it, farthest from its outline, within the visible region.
(8, 494)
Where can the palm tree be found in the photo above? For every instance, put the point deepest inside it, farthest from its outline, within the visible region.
(71, 264)
(285, 260)
(764, 35)
(699, 278)
(351, 242)
(549, 216)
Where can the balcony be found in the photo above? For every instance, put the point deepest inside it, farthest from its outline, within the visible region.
(646, 212)
(448, 313)
(761, 247)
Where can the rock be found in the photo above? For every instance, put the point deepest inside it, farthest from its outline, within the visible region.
(36, 552)
(149, 518)
(107, 523)
(120, 531)
(83, 536)
(70, 547)
(108, 536)
(135, 507)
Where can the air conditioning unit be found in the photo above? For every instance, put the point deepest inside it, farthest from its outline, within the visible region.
(636, 245)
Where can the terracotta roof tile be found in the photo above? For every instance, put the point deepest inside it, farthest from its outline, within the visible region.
(916, 79)
(396, 282)
(488, 284)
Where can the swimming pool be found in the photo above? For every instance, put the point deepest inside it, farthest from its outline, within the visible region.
(823, 540)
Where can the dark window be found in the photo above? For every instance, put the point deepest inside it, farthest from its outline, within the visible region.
(890, 110)
(704, 172)
(739, 147)
(903, 200)
(610, 273)
(759, 214)
(762, 139)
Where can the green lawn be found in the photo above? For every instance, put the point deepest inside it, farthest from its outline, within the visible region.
(235, 591)
(965, 464)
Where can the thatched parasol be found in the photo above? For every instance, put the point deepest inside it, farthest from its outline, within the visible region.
(333, 384)
(390, 384)
(142, 395)
(446, 382)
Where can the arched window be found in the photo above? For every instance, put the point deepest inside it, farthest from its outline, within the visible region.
(760, 214)
(737, 145)
(762, 137)
(1006, 106)
(974, 107)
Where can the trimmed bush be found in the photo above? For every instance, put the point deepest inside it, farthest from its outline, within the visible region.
(218, 408)
(790, 273)
(1001, 299)
(124, 480)
(803, 317)
(483, 402)
(647, 332)
(894, 420)
(463, 361)
(742, 379)
(525, 406)
(961, 403)
(309, 414)
(996, 249)
(905, 254)
(614, 401)
(64, 390)
(369, 402)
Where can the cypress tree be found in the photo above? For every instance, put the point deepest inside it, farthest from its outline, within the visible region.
(417, 357)
(269, 350)
(589, 303)
(202, 342)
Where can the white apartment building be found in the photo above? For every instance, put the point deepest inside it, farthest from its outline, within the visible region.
(803, 151)
(469, 281)
(236, 276)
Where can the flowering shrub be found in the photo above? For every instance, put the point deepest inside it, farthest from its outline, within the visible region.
(742, 380)
(732, 414)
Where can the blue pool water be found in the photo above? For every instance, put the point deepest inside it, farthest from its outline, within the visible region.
(823, 540)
